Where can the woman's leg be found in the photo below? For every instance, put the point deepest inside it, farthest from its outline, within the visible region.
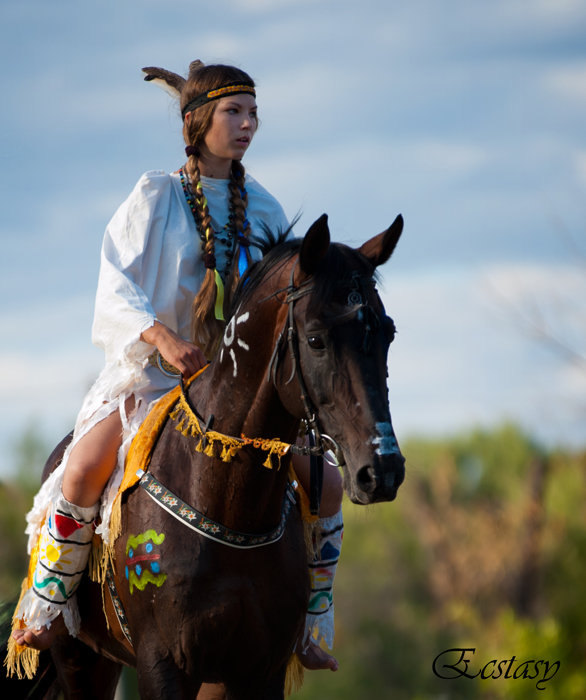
(92, 461)
(67, 534)
(332, 490)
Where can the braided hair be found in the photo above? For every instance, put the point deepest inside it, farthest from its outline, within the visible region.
(206, 328)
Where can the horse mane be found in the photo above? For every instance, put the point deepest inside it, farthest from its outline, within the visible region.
(274, 247)
(339, 264)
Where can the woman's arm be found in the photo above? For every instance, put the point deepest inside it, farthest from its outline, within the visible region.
(187, 357)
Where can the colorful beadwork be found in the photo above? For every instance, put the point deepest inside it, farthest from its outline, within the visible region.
(205, 97)
(117, 603)
(210, 528)
(230, 90)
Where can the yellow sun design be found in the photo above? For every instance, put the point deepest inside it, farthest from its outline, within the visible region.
(55, 553)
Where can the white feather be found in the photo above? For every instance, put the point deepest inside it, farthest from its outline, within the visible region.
(166, 87)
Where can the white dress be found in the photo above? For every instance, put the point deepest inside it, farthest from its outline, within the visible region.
(151, 269)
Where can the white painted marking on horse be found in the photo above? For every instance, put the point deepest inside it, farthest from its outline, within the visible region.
(230, 336)
(386, 442)
(229, 332)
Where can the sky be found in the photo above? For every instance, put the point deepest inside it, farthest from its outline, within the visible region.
(466, 116)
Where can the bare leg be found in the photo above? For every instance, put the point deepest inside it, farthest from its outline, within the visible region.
(93, 460)
(88, 469)
(332, 491)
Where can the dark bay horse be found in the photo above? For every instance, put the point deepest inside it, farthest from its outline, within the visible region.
(308, 340)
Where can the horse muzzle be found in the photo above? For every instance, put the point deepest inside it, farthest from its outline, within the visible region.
(376, 482)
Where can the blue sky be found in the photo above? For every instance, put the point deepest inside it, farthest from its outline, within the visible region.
(465, 116)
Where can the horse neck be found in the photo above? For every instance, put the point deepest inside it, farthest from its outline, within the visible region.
(236, 392)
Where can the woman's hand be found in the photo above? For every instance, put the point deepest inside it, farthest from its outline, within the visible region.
(187, 357)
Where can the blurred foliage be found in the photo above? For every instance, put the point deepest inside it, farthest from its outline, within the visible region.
(484, 548)
(29, 452)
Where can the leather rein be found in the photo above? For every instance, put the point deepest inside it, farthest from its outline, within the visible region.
(319, 443)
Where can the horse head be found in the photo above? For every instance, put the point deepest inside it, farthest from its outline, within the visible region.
(341, 335)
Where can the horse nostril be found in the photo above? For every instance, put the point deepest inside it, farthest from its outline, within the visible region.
(366, 479)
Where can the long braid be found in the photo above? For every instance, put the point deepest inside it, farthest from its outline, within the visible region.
(241, 225)
(206, 330)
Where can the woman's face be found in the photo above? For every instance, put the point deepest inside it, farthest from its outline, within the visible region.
(234, 123)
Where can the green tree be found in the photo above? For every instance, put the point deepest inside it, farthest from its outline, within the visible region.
(483, 548)
(29, 452)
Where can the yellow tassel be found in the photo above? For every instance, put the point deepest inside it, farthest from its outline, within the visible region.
(23, 661)
(116, 518)
(268, 463)
(209, 450)
(96, 568)
(294, 676)
(20, 661)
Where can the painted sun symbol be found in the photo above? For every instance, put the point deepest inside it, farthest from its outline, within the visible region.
(55, 553)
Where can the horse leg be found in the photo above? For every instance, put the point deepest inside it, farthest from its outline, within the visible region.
(159, 677)
(274, 689)
(82, 673)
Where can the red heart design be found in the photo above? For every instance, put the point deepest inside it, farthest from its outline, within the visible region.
(66, 525)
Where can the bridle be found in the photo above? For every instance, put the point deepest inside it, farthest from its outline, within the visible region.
(319, 442)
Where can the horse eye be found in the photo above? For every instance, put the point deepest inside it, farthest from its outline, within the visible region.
(390, 328)
(315, 342)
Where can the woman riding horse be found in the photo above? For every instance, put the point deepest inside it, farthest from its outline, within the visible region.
(171, 258)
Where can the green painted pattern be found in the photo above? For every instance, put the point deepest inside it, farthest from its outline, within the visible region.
(135, 581)
(137, 568)
(48, 581)
(135, 540)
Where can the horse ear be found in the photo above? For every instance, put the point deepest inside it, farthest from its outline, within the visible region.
(170, 82)
(380, 248)
(315, 245)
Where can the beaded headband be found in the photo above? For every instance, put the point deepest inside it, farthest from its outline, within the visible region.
(205, 97)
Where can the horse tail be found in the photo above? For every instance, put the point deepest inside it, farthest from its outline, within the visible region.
(44, 685)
